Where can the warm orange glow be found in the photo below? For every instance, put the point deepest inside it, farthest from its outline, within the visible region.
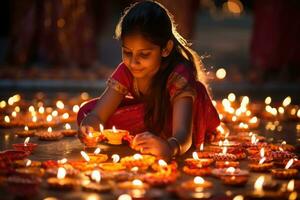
(221, 73)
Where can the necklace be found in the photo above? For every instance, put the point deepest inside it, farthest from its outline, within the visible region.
(136, 88)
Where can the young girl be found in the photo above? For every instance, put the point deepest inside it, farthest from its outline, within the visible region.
(158, 92)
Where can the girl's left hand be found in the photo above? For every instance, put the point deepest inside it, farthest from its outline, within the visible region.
(149, 143)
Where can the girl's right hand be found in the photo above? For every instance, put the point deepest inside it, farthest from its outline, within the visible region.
(83, 135)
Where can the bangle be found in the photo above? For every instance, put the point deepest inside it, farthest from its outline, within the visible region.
(177, 143)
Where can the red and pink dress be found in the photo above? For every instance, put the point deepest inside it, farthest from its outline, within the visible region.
(181, 83)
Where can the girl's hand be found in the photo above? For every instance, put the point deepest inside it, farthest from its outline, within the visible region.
(83, 134)
(148, 143)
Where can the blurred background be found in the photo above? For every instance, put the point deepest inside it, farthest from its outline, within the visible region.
(249, 47)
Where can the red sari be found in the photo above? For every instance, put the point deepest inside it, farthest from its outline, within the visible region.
(181, 83)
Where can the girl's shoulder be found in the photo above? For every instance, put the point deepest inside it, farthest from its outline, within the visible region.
(182, 71)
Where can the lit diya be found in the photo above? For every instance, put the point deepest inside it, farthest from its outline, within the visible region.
(197, 162)
(49, 135)
(230, 171)
(68, 131)
(26, 146)
(114, 165)
(203, 153)
(285, 173)
(26, 163)
(26, 132)
(226, 164)
(136, 188)
(261, 166)
(257, 157)
(61, 182)
(92, 138)
(97, 157)
(234, 180)
(114, 136)
(96, 185)
(196, 185)
(138, 160)
(224, 156)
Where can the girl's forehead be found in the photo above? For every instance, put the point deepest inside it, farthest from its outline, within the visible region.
(138, 42)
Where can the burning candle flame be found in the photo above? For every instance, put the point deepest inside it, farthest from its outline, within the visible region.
(75, 108)
(262, 152)
(26, 141)
(137, 182)
(49, 118)
(61, 173)
(134, 169)
(114, 129)
(85, 156)
(65, 115)
(137, 156)
(201, 147)
(195, 155)
(253, 120)
(125, 197)
(230, 170)
(49, 129)
(289, 164)
(283, 143)
(7, 119)
(62, 161)
(220, 143)
(258, 185)
(101, 128)
(224, 151)
(97, 151)
(198, 180)
(14, 114)
(90, 134)
(96, 176)
(115, 158)
(291, 185)
(26, 128)
(226, 142)
(67, 126)
(60, 104)
(28, 163)
(286, 101)
(262, 160)
(162, 163)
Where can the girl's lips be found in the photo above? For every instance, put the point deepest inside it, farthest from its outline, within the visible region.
(137, 70)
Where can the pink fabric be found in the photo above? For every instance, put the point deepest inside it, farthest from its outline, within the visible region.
(130, 114)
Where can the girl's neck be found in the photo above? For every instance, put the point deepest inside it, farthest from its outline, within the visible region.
(142, 85)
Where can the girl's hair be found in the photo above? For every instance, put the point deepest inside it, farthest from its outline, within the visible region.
(154, 22)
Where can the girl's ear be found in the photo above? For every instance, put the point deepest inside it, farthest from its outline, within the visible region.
(167, 50)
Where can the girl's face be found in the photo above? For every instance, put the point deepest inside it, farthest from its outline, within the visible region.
(142, 57)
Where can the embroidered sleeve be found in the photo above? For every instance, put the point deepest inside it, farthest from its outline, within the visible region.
(179, 86)
(120, 80)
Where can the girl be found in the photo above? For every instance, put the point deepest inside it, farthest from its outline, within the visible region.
(156, 92)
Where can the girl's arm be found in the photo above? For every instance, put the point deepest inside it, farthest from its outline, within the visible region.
(181, 140)
(106, 105)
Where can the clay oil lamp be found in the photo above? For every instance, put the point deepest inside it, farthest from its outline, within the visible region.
(283, 146)
(224, 156)
(136, 188)
(97, 157)
(203, 153)
(96, 185)
(226, 164)
(197, 166)
(262, 192)
(138, 160)
(26, 146)
(114, 136)
(87, 164)
(61, 182)
(282, 155)
(285, 173)
(26, 132)
(26, 162)
(30, 170)
(49, 135)
(92, 139)
(114, 165)
(68, 131)
(194, 189)
(261, 166)
(257, 157)
(234, 180)
(231, 171)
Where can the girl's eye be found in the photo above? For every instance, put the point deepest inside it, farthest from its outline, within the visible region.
(144, 55)
(126, 53)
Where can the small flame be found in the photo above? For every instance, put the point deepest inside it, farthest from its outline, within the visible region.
(60, 104)
(262, 160)
(283, 143)
(137, 182)
(96, 176)
(220, 143)
(286, 101)
(97, 151)
(34, 118)
(195, 155)
(253, 139)
(49, 129)
(289, 164)
(134, 169)
(26, 141)
(198, 180)
(230, 170)
(262, 152)
(162, 163)
(65, 116)
(201, 147)
(224, 151)
(75, 108)
(90, 134)
(62, 161)
(49, 118)
(61, 173)
(258, 185)
(101, 128)
(115, 158)
(253, 120)
(114, 129)
(28, 163)
(41, 110)
(280, 149)
(137, 156)
(7, 119)
(85, 156)
(67, 126)
(26, 128)
(14, 114)
(291, 185)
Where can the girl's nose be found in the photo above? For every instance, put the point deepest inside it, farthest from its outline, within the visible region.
(134, 61)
